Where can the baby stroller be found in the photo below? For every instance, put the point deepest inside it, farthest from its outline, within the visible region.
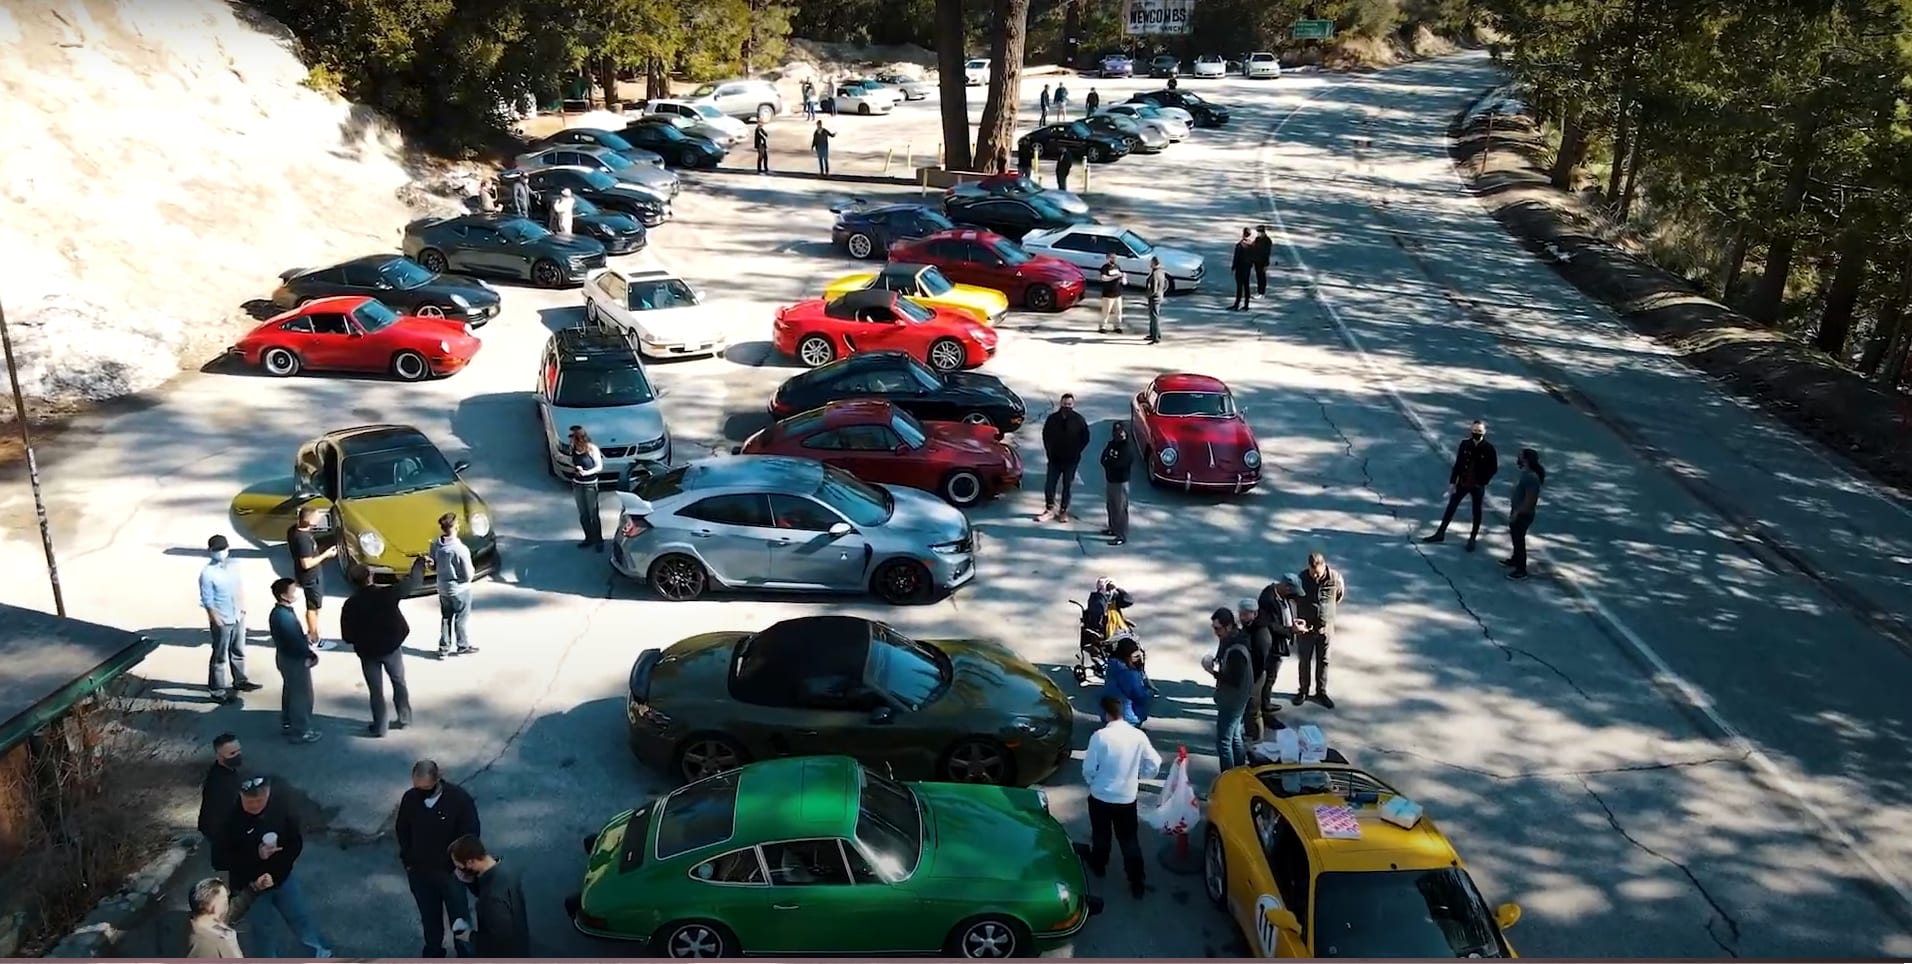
(1104, 624)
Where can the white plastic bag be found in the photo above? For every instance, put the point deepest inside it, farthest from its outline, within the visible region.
(1176, 810)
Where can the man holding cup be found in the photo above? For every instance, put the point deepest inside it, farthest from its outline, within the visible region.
(260, 844)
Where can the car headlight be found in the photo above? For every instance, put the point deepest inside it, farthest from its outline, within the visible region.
(371, 543)
(1032, 727)
(460, 301)
(444, 347)
(480, 524)
(654, 444)
(1251, 458)
(948, 548)
(1167, 455)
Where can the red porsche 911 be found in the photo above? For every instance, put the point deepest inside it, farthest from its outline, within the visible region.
(878, 442)
(358, 334)
(1192, 436)
(819, 332)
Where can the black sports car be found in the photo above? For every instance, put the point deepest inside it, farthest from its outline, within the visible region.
(1115, 125)
(503, 245)
(1078, 138)
(619, 233)
(1207, 113)
(867, 230)
(656, 132)
(1011, 217)
(1165, 66)
(399, 282)
(598, 137)
(600, 189)
(909, 385)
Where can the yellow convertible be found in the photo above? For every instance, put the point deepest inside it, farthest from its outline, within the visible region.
(926, 284)
(1299, 856)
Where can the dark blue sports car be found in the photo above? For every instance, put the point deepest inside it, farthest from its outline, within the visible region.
(867, 230)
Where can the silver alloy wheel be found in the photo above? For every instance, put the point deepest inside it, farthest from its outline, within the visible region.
(432, 260)
(976, 418)
(1215, 868)
(678, 578)
(547, 274)
(988, 938)
(708, 757)
(860, 246)
(430, 311)
(410, 366)
(963, 488)
(816, 351)
(974, 761)
(947, 355)
(694, 940)
(590, 311)
(279, 361)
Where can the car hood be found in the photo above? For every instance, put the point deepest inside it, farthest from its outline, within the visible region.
(445, 285)
(408, 523)
(1067, 201)
(616, 224)
(641, 190)
(995, 833)
(569, 245)
(925, 515)
(989, 301)
(1229, 436)
(623, 425)
(655, 180)
(1177, 261)
(991, 676)
(1048, 267)
(704, 322)
(981, 385)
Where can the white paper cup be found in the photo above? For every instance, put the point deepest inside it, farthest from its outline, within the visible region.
(271, 839)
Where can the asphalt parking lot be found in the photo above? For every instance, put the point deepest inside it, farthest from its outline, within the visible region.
(1568, 782)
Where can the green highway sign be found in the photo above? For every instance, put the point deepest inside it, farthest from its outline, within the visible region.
(1314, 29)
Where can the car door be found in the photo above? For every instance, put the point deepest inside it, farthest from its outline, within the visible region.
(735, 891)
(358, 279)
(878, 328)
(466, 250)
(732, 534)
(324, 284)
(545, 392)
(803, 552)
(1078, 249)
(810, 893)
(332, 344)
(1131, 264)
(865, 451)
(1294, 882)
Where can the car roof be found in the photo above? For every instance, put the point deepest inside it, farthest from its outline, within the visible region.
(487, 217)
(1381, 846)
(592, 343)
(856, 411)
(797, 797)
(1105, 230)
(339, 303)
(770, 472)
(375, 260)
(1189, 382)
(363, 439)
(860, 299)
(646, 274)
(964, 234)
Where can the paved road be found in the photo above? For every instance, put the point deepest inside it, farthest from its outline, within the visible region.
(1528, 717)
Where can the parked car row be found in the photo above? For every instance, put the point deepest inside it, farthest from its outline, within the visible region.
(1208, 66)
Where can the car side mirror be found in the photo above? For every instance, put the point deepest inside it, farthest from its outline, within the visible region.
(1142, 399)
(1283, 919)
(902, 448)
(459, 467)
(1507, 915)
(303, 495)
(882, 715)
(840, 530)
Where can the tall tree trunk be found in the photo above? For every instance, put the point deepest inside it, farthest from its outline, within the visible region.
(1635, 159)
(1734, 263)
(607, 81)
(1889, 327)
(1573, 148)
(1770, 294)
(657, 80)
(997, 135)
(1842, 296)
(1622, 142)
(950, 45)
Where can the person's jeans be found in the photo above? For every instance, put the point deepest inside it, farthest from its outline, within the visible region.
(1060, 474)
(1043, 118)
(1518, 529)
(1119, 510)
(376, 671)
(1119, 821)
(1231, 745)
(1155, 319)
(1251, 725)
(1241, 289)
(763, 162)
(295, 694)
(1111, 312)
(453, 609)
(1311, 650)
(585, 494)
(1265, 693)
(1062, 178)
(289, 901)
(441, 898)
(1261, 279)
(1472, 493)
(823, 160)
(228, 664)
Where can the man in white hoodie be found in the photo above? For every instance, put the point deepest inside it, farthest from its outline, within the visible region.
(451, 559)
(561, 211)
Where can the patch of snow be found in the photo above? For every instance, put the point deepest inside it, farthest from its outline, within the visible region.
(9, 31)
(69, 349)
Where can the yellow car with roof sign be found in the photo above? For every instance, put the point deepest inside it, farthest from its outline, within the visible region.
(1299, 856)
(925, 284)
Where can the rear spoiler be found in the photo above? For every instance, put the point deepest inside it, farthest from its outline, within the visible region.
(289, 275)
(629, 504)
(849, 204)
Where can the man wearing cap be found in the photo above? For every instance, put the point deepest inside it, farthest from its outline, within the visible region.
(260, 845)
(219, 589)
(1261, 644)
(1277, 605)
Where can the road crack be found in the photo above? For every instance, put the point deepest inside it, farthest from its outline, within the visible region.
(1720, 914)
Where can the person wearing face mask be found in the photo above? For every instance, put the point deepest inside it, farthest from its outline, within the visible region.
(1277, 605)
(219, 589)
(219, 791)
(1112, 281)
(1118, 463)
(1475, 464)
(1261, 644)
(432, 815)
(1126, 679)
(498, 927)
(262, 841)
(293, 654)
(1065, 434)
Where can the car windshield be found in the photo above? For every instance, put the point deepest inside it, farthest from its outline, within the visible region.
(931, 222)
(650, 295)
(1210, 404)
(1193, 98)
(1135, 243)
(613, 142)
(933, 283)
(908, 429)
(404, 273)
(1017, 187)
(1123, 123)
(913, 311)
(704, 91)
(522, 231)
(1080, 129)
(707, 111)
(889, 825)
(396, 471)
(614, 160)
(608, 387)
(911, 673)
(597, 180)
(668, 132)
(857, 501)
(1045, 207)
(583, 208)
(1010, 253)
(976, 65)
(374, 316)
(1403, 914)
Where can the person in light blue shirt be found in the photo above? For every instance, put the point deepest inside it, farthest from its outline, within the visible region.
(219, 588)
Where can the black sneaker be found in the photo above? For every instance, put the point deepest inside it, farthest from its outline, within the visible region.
(1326, 701)
(1517, 574)
(1507, 562)
(1299, 698)
(247, 687)
(222, 697)
(1137, 889)
(1436, 537)
(1118, 542)
(444, 653)
(1470, 545)
(374, 732)
(400, 724)
(587, 544)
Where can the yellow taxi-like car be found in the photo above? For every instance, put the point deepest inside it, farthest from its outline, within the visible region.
(1300, 858)
(925, 284)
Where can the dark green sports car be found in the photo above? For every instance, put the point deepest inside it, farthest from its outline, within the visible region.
(502, 245)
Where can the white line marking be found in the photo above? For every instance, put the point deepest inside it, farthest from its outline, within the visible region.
(1664, 673)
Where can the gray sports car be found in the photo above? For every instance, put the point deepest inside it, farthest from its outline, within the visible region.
(504, 246)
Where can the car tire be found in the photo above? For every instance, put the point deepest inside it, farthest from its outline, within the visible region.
(691, 935)
(547, 274)
(977, 759)
(765, 112)
(963, 488)
(1214, 868)
(815, 351)
(430, 311)
(433, 260)
(410, 366)
(1039, 298)
(1099, 154)
(678, 578)
(861, 246)
(703, 755)
(900, 582)
(946, 355)
(989, 936)
(687, 158)
(591, 315)
(977, 418)
(863, 109)
(280, 362)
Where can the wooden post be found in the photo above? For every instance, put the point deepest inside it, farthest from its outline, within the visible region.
(1487, 146)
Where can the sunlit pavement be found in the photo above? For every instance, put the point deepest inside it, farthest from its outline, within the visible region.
(1526, 717)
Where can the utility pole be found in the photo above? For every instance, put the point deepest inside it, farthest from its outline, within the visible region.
(33, 467)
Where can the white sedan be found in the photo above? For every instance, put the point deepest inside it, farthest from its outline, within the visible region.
(1211, 66)
(1087, 246)
(704, 120)
(668, 316)
(1153, 118)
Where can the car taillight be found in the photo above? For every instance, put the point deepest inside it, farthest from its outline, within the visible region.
(632, 527)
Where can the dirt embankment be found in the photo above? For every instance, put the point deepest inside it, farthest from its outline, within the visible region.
(1498, 146)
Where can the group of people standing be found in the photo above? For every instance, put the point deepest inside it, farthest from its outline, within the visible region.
(1476, 462)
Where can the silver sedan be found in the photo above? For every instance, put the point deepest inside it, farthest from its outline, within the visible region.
(767, 522)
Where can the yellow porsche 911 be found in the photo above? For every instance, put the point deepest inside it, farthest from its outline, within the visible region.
(926, 284)
(1301, 859)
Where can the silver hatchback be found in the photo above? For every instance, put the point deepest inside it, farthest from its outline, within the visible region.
(769, 522)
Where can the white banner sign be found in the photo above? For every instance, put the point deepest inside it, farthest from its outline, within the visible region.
(1157, 16)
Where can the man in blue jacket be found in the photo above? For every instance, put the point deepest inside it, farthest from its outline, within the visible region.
(292, 652)
(1125, 680)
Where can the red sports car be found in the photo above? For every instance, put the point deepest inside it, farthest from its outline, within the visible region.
(878, 442)
(819, 332)
(972, 257)
(1192, 436)
(358, 334)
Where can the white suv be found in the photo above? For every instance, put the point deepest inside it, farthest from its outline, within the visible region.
(976, 72)
(1210, 65)
(758, 99)
(1261, 64)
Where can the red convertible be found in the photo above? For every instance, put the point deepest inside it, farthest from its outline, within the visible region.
(1192, 436)
(819, 332)
(878, 442)
(357, 334)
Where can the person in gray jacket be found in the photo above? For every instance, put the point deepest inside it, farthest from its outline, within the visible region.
(1157, 289)
(1321, 594)
(451, 559)
(1234, 672)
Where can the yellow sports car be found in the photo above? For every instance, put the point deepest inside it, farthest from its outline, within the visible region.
(926, 284)
(1300, 858)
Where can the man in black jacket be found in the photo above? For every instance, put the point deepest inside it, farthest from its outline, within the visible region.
(1065, 162)
(1264, 253)
(1276, 606)
(260, 844)
(1242, 265)
(761, 140)
(370, 622)
(498, 927)
(1065, 434)
(1321, 593)
(1118, 461)
(1025, 156)
(1475, 463)
(431, 816)
(219, 793)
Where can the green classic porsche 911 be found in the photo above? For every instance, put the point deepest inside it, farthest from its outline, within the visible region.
(819, 856)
